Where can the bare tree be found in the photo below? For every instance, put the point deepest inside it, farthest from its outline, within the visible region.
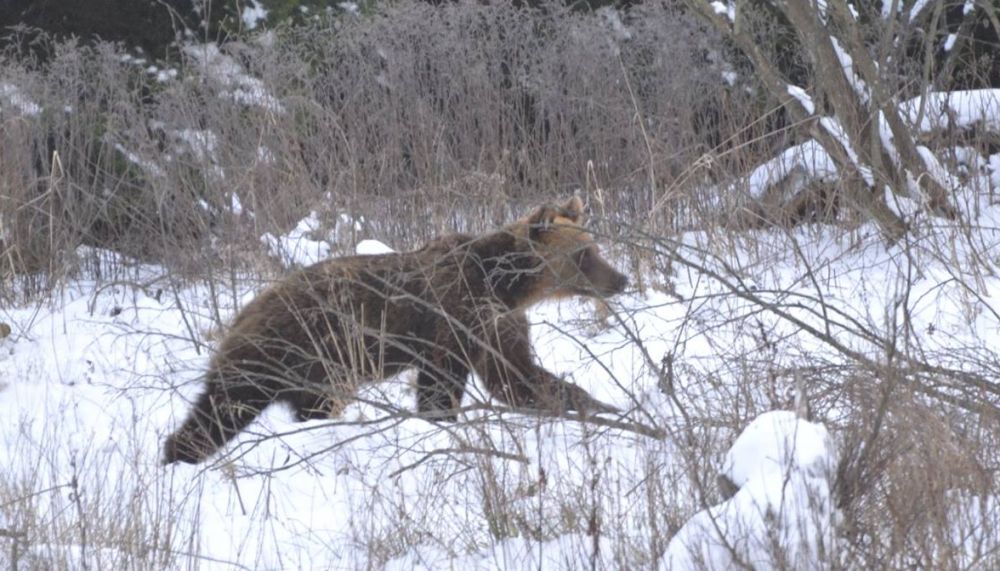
(857, 120)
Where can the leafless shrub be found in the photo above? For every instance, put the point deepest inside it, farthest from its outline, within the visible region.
(126, 522)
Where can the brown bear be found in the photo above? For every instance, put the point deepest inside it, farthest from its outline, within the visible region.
(456, 305)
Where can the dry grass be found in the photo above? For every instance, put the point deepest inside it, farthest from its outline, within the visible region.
(454, 116)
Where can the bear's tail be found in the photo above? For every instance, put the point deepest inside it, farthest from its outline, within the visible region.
(217, 417)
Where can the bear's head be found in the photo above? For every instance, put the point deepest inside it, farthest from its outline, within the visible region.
(570, 260)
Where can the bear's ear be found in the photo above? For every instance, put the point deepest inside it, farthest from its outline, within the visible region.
(540, 221)
(573, 209)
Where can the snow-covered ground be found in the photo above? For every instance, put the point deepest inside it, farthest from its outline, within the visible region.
(93, 378)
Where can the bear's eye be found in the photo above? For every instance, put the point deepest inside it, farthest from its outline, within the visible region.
(584, 259)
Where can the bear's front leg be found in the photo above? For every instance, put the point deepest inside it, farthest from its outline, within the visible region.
(566, 395)
(440, 387)
(507, 367)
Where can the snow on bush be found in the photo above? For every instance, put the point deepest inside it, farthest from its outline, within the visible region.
(12, 98)
(238, 85)
(253, 14)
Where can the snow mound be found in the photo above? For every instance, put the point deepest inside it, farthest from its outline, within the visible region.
(774, 443)
(783, 510)
(808, 159)
(307, 243)
(954, 109)
(297, 247)
(372, 248)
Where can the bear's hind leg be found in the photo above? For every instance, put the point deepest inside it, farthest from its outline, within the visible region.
(316, 406)
(308, 406)
(322, 392)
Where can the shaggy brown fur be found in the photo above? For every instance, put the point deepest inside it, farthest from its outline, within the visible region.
(454, 305)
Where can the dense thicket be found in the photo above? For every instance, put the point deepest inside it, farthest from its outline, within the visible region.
(457, 109)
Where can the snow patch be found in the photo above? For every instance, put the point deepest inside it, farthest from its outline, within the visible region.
(847, 64)
(566, 552)
(612, 19)
(265, 155)
(165, 75)
(774, 443)
(949, 42)
(200, 142)
(935, 169)
(942, 111)
(836, 130)
(915, 10)
(993, 167)
(235, 205)
(147, 166)
(810, 156)
(297, 247)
